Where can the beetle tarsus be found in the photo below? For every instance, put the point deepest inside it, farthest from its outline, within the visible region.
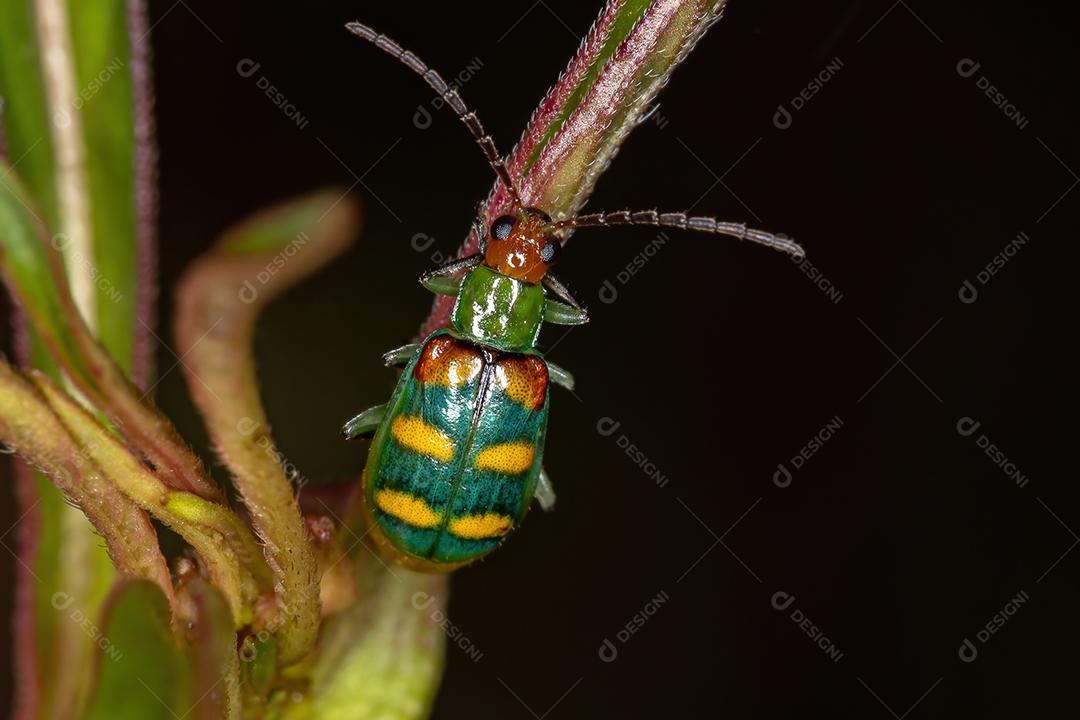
(545, 491)
(365, 422)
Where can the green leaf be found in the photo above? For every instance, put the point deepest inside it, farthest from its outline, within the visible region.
(31, 270)
(67, 556)
(142, 673)
(71, 130)
(259, 653)
(215, 666)
(25, 113)
(383, 657)
(104, 109)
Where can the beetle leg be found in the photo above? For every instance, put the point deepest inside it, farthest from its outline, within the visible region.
(545, 491)
(438, 279)
(560, 291)
(560, 377)
(365, 422)
(401, 355)
(559, 313)
(442, 285)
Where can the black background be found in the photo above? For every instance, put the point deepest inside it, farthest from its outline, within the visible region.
(899, 538)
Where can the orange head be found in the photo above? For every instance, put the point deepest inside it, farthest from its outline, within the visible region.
(522, 246)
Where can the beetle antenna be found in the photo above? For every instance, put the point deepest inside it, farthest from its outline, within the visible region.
(681, 221)
(449, 94)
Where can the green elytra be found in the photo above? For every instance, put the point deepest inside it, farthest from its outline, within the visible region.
(456, 457)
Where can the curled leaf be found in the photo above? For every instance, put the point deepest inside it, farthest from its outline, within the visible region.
(28, 426)
(220, 538)
(219, 301)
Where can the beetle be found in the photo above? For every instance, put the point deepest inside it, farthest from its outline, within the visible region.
(456, 457)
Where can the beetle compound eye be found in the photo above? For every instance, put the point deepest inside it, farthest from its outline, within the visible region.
(500, 229)
(550, 251)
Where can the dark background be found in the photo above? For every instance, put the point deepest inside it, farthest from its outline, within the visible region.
(899, 538)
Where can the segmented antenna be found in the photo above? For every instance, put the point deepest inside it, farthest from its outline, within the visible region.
(449, 94)
(681, 221)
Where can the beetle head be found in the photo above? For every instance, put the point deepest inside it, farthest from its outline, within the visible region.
(522, 246)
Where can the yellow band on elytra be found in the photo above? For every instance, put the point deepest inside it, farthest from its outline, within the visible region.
(510, 458)
(479, 527)
(419, 436)
(407, 508)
